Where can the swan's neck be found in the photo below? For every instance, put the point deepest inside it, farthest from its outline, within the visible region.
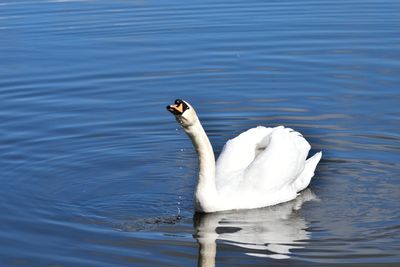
(206, 192)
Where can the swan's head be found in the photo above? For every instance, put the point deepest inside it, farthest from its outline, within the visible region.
(184, 112)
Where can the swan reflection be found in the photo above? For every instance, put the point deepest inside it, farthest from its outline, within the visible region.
(274, 230)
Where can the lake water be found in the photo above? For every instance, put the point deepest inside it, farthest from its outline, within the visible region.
(95, 172)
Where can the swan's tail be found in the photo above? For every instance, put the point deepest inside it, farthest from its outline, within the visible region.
(305, 176)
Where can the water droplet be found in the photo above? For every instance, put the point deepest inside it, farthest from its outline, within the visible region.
(179, 210)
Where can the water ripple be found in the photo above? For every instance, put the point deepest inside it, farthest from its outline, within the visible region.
(90, 158)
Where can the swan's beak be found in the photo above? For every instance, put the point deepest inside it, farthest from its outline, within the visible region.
(178, 108)
(175, 109)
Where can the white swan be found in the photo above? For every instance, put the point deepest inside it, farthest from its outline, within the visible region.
(260, 167)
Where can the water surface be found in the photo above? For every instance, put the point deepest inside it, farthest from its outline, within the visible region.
(95, 172)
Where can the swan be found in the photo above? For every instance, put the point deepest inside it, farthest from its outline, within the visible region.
(261, 167)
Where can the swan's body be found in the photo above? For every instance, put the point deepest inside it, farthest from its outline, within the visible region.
(260, 167)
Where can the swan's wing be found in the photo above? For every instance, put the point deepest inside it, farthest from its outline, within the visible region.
(238, 153)
(279, 165)
(303, 180)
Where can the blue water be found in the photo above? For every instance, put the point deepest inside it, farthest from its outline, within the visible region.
(95, 172)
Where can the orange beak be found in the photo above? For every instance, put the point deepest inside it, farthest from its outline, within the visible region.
(176, 108)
